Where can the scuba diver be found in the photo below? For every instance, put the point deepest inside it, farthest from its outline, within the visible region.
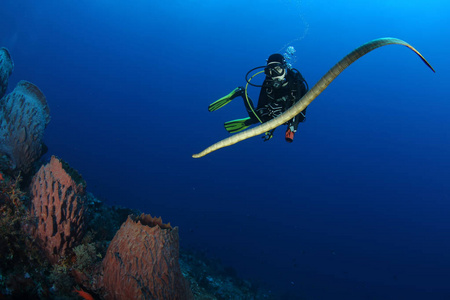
(282, 87)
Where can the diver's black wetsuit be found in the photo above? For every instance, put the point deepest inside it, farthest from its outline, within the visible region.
(274, 101)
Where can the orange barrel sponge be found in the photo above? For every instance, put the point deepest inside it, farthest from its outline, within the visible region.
(24, 115)
(58, 202)
(142, 262)
(6, 68)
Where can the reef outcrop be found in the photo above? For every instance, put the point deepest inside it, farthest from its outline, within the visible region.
(142, 262)
(62, 241)
(6, 68)
(24, 115)
(58, 202)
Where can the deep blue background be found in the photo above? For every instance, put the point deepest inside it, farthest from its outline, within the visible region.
(356, 208)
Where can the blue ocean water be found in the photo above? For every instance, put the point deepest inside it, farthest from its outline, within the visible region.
(356, 208)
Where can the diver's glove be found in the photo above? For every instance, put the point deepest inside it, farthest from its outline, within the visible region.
(268, 135)
(289, 135)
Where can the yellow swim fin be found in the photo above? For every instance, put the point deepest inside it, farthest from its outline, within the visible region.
(236, 125)
(225, 100)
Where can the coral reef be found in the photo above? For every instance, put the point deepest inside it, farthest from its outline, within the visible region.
(12, 215)
(58, 203)
(25, 272)
(210, 280)
(6, 68)
(142, 262)
(24, 115)
(20, 259)
(57, 241)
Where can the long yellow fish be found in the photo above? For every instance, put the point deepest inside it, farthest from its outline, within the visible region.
(320, 86)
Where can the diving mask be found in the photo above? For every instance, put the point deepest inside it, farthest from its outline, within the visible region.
(275, 70)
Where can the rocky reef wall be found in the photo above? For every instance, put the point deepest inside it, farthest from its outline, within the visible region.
(56, 237)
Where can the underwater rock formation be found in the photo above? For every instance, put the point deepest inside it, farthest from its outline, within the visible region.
(6, 68)
(24, 115)
(142, 262)
(58, 202)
